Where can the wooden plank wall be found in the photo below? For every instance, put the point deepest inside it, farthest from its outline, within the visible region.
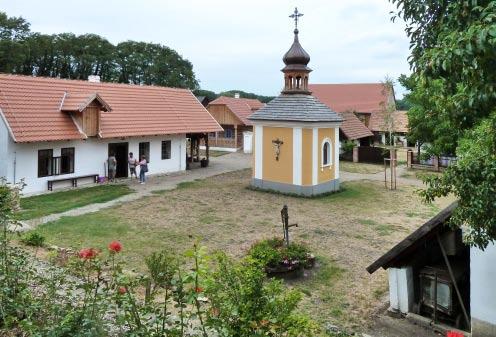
(223, 115)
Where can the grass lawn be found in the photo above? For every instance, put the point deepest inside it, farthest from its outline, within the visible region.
(364, 168)
(419, 174)
(57, 202)
(346, 231)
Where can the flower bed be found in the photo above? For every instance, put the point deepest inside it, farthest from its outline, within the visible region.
(278, 259)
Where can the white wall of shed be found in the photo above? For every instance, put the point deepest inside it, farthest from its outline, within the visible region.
(90, 157)
(401, 292)
(482, 285)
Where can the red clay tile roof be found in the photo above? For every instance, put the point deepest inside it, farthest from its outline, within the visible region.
(32, 109)
(353, 128)
(400, 122)
(241, 107)
(80, 100)
(356, 97)
(254, 103)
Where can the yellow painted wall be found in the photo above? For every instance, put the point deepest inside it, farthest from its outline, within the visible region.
(307, 162)
(282, 170)
(327, 173)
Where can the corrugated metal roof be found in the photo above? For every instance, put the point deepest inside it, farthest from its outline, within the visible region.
(32, 107)
(298, 107)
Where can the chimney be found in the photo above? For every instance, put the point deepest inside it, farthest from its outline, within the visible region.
(236, 95)
(94, 78)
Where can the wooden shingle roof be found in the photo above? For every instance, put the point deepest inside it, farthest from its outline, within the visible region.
(412, 241)
(296, 107)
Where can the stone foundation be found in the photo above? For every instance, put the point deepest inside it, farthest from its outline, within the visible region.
(307, 191)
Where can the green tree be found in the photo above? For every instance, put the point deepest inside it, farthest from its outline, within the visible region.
(244, 94)
(13, 32)
(453, 97)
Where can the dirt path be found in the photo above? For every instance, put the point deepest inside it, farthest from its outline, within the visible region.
(218, 165)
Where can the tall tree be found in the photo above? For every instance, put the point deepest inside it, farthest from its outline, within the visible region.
(13, 32)
(67, 55)
(453, 45)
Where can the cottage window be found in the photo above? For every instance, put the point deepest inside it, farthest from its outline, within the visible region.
(45, 163)
(144, 150)
(166, 149)
(228, 133)
(326, 153)
(67, 160)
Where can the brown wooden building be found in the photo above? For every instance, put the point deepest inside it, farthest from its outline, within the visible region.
(232, 114)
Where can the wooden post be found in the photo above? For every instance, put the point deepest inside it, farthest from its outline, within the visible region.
(356, 158)
(435, 162)
(409, 158)
(207, 148)
(191, 147)
(236, 136)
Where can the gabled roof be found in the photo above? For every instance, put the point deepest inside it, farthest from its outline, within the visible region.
(241, 107)
(400, 122)
(254, 103)
(353, 128)
(296, 107)
(414, 240)
(79, 101)
(32, 109)
(356, 97)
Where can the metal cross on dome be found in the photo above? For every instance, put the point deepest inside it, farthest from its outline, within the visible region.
(296, 15)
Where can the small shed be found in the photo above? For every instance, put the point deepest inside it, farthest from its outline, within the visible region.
(435, 277)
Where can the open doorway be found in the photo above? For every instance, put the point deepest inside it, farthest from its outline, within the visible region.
(120, 150)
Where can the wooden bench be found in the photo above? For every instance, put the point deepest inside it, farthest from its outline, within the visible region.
(73, 180)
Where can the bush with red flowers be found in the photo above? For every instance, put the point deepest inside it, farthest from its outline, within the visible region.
(183, 295)
(115, 247)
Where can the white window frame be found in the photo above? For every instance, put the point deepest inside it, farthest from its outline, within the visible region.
(329, 155)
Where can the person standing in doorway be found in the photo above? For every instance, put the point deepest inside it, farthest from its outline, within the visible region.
(143, 169)
(112, 166)
(133, 162)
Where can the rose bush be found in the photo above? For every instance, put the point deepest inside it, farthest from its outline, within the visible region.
(187, 295)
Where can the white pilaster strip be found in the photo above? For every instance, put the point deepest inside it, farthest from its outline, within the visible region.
(258, 151)
(297, 155)
(337, 149)
(315, 155)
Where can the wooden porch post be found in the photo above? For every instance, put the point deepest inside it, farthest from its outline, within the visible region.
(236, 136)
(207, 147)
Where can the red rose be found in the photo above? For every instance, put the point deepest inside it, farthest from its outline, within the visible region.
(115, 247)
(122, 290)
(87, 253)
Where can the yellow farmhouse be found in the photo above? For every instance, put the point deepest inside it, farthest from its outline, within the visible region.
(296, 137)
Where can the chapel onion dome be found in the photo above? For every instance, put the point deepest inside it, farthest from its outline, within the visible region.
(296, 58)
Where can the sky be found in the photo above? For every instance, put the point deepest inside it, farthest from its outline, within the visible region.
(239, 44)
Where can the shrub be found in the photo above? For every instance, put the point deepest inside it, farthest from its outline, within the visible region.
(273, 252)
(34, 239)
(245, 304)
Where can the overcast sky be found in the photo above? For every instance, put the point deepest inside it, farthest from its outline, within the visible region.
(239, 44)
